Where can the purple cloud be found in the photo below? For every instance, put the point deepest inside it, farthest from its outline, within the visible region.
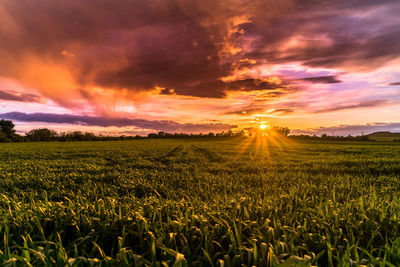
(20, 97)
(362, 104)
(321, 79)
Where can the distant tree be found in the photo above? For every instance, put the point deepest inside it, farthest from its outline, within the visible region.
(92, 137)
(241, 133)
(152, 135)
(281, 130)
(229, 133)
(42, 134)
(80, 136)
(7, 128)
(77, 136)
(286, 131)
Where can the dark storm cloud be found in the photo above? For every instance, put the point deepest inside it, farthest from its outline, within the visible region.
(352, 129)
(218, 88)
(362, 104)
(20, 97)
(251, 84)
(167, 91)
(322, 79)
(161, 125)
(188, 46)
(126, 44)
(349, 34)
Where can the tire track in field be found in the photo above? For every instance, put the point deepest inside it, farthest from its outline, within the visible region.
(170, 155)
(210, 155)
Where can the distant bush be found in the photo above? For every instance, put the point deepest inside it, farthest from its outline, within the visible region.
(42, 134)
(3, 137)
(77, 136)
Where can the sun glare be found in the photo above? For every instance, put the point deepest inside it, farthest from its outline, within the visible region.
(263, 126)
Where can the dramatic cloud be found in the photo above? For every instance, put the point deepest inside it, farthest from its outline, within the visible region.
(321, 79)
(20, 97)
(360, 35)
(167, 91)
(365, 104)
(183, 45)
(219, 88)
(397, 83)
(186, 46)
(168, 126)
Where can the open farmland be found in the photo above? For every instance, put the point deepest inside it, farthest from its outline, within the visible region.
(200, 202)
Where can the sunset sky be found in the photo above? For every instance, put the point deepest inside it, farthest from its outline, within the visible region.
(133, 67)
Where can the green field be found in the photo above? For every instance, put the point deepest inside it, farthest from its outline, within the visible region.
(384, 136)
(200, 202)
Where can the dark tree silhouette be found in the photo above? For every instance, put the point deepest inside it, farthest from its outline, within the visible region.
(7, 128)
(282, 130)
(42, 134)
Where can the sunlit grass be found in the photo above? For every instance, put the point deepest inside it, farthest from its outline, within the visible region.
(260, 201)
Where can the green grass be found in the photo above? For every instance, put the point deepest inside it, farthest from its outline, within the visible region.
(384, 136)
(383, 139)
(200, 203)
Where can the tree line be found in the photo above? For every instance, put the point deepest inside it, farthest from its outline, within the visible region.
(8, 134)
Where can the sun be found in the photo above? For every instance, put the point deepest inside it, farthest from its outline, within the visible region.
(263, 126)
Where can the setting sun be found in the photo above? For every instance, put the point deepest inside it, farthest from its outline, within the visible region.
(263, 126)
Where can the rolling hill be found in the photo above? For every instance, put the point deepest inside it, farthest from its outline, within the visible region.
(384, 136)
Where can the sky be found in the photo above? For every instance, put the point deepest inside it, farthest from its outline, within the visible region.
(133, 67)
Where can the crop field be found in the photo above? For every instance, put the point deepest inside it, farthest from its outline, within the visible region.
(200, 202)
